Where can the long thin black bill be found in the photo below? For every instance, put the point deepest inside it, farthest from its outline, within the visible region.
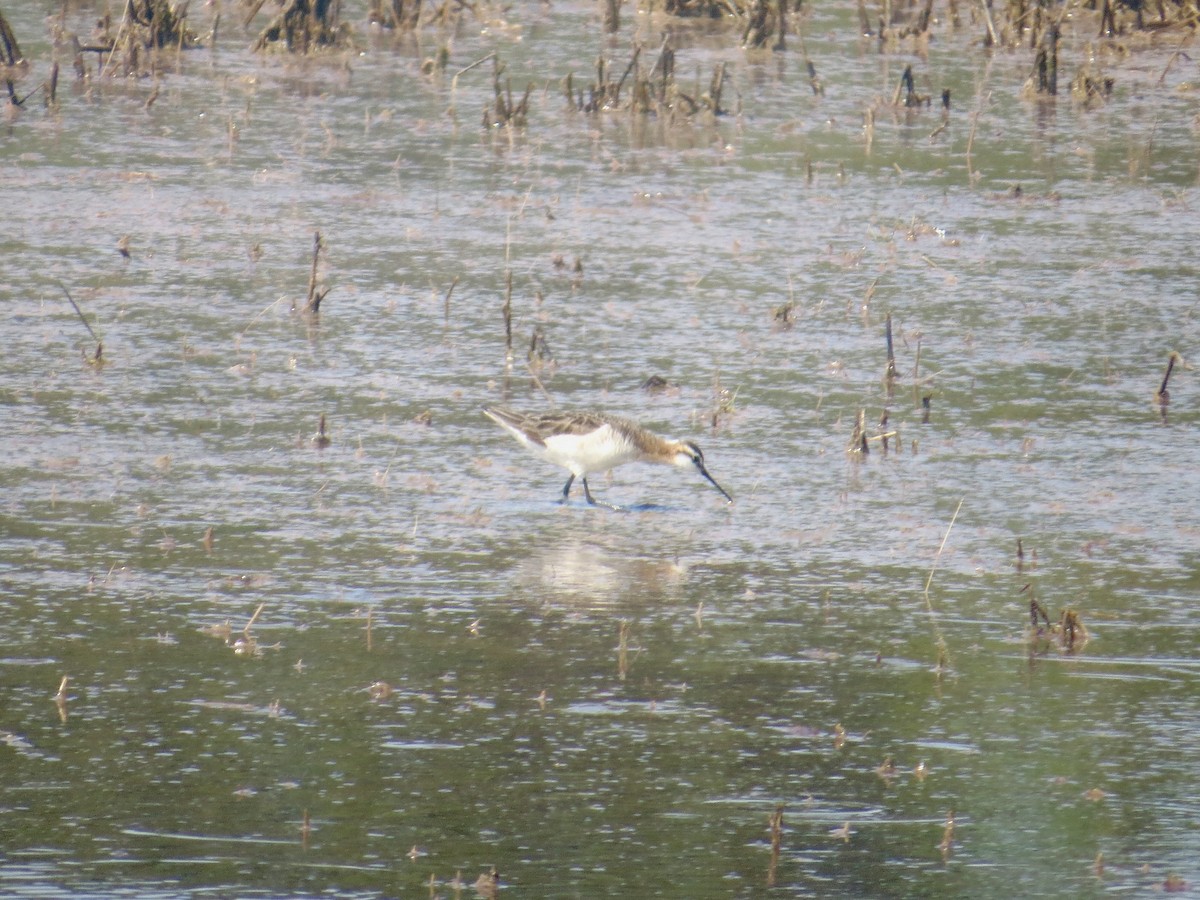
(704, 472)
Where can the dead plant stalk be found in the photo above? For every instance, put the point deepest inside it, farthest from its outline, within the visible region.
(939, 638)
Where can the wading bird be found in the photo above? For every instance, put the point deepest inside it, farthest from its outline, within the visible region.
(583, 443)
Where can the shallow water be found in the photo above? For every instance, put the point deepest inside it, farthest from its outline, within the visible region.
(775, 653)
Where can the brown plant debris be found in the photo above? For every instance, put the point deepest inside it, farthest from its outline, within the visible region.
(775, 822)
(156, 24)
(306, 25)
(505, 111)
(1068, 634)
(653, 91)
(907, 91)
(762, 23)
(765, 24)
(131, 47)
(312, 302)
(858, 438)
(1163, 395)
(946, 844)
(398, 15)
(12, 64)
(539, 355)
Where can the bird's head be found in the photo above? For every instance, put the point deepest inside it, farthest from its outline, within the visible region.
(687, 456)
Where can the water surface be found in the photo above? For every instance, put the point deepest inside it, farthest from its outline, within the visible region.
(596, 702)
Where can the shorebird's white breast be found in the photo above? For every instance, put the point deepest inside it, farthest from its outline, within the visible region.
(596, 451)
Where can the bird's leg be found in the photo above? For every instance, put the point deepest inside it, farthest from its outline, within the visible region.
(567, 488)
(594, 502)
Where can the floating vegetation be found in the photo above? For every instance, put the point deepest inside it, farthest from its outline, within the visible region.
(656, 384)
(487, 885)
(379, 690)
(1067, 634)
(1089, 89)
(783, 316)
(724, 402)
(242, 643)
(860, 441)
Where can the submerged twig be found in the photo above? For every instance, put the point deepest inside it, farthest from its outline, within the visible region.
(939, 638)
(946, 537)
(889, 375)
(449, 292)
(507, 312)
(1162, 395)
(96, 358)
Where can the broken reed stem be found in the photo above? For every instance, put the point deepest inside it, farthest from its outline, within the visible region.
(991, 40)
(905, 86)
(858, 438)
(313, 302)
(775, 821)
(946, 537)
(623, 650)
(975, 114)
(79, 313)
(321, 439)
(890, 372)
(1163, 394)
(252, 12)
(254, 618)
(1174, 56)
(508, 354)
(450, 291)
(369, 644)
(946, 844)
(612, 16)
(939, 638)
(463, 71)
(117, 40)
